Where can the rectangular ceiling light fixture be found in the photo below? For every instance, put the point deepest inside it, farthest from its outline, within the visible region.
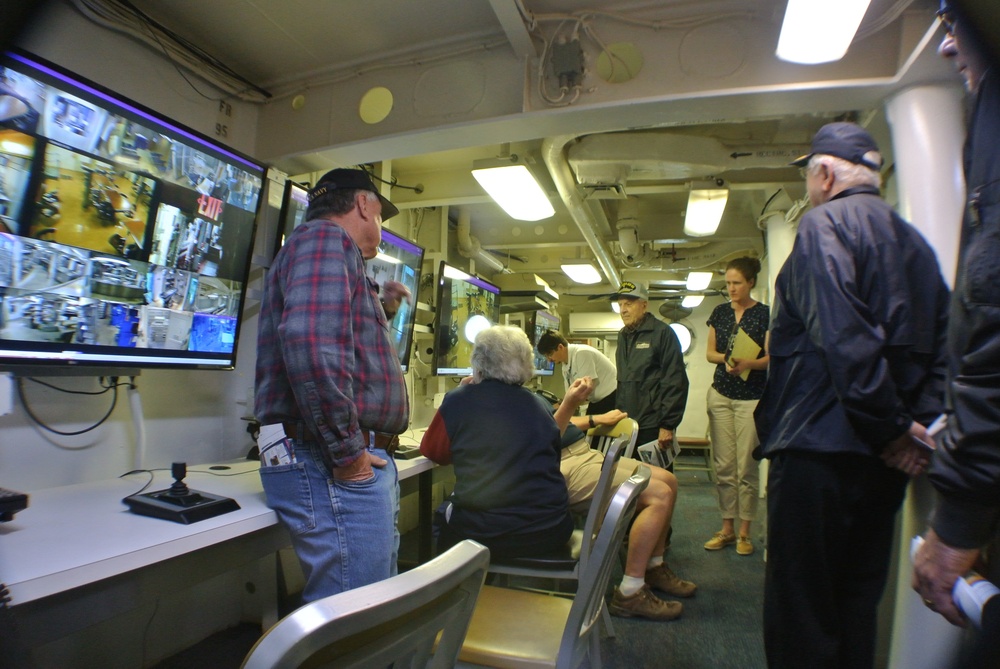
(692, 301)
(706, 202)
(699, 280)
(819, 32)
(513, 187)
(582, 272)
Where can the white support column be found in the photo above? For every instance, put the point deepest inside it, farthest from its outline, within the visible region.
(927, 125)
(928, 132)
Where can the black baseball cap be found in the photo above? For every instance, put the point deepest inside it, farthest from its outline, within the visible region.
(843, 140)
(341, 178)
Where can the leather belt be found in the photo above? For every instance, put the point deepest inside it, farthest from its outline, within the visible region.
(382, 440)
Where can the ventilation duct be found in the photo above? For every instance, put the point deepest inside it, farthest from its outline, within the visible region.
(627, 224)
(709, 255)
(601, 161)
(553, 153)
(469, 246)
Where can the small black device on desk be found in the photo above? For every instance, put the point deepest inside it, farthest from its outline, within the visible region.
(406, 453)
(10, 503)
(179, 503)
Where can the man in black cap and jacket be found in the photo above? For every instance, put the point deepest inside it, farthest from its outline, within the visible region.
(965, 471)
(856, 372)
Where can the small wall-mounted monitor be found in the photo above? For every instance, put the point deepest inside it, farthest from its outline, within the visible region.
(535, 326)
(294, 204)
(400, 260)
(465, 305)
(125, 237)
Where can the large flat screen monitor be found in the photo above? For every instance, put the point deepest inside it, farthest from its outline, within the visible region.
(535, 326)
(400, 260)
(125, 237)
(465, 305)
(294, 204)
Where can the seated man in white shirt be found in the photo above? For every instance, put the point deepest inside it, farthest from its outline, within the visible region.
(578, 361)
(644, 567)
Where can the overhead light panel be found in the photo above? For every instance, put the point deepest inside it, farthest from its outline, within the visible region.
(698, 280)
(819, 32)
(582, 272)
(513, 187)
(706, 202)
(692, 301)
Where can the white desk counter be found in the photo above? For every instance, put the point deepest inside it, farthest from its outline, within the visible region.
(77, 535)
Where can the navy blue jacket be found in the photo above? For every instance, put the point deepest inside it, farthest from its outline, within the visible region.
(857, 332)
(505, 447)
(966, 468)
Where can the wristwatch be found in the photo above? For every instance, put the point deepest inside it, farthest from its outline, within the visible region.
(591, 420)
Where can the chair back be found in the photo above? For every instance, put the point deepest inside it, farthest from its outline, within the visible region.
(602, 497)
(390, 623)
(600, 437)
(580, 637)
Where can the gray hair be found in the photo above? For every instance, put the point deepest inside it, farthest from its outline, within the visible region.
(850, 174)
(336, 203)
(503, 353)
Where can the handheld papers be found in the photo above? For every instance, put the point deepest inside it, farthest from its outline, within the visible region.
(743, 348)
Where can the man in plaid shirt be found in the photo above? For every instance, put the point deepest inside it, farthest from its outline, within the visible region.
(328, 373)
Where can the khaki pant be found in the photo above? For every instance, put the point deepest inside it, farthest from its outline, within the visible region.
(734, 436)
(581, 467)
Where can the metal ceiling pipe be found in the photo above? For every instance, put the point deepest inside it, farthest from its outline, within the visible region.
(554, 155)
(469, 246)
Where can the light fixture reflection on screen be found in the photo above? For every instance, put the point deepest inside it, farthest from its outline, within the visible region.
(474, 326)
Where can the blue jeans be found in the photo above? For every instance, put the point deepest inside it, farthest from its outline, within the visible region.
(344, 533)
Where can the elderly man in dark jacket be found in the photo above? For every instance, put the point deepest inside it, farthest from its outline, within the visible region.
(857, 370)
(652, 381)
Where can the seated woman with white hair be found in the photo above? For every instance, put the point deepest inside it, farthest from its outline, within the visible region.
(505, 446)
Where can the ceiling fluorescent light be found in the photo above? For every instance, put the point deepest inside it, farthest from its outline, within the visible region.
(698, 280)
(706, 202)
(514, 188)
(818, 32)
(692, 301)
(582, 272)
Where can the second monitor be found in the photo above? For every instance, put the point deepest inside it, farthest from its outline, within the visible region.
(465, 305)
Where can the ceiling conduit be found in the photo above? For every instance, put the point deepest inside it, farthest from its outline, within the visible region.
(469, 246)
(553, 153)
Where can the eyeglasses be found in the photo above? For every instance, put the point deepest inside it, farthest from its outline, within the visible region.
(948, 21)
(804, 172)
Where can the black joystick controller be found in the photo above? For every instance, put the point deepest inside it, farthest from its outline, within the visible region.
(178, 502)
(179, 488)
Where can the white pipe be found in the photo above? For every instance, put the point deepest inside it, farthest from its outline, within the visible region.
(135, 402)
(469, 246)
(928, 133)
(927, 137)
(553, 153)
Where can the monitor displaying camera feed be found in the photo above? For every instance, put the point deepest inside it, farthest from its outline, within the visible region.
(294, 204)
(125, 237)
(465, 306)
(536, 325)
(400, 260)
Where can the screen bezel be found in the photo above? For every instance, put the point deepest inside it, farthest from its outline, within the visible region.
(21, 354)
(439, 318)
(408, 309)
(543, 367)
(293, 193)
